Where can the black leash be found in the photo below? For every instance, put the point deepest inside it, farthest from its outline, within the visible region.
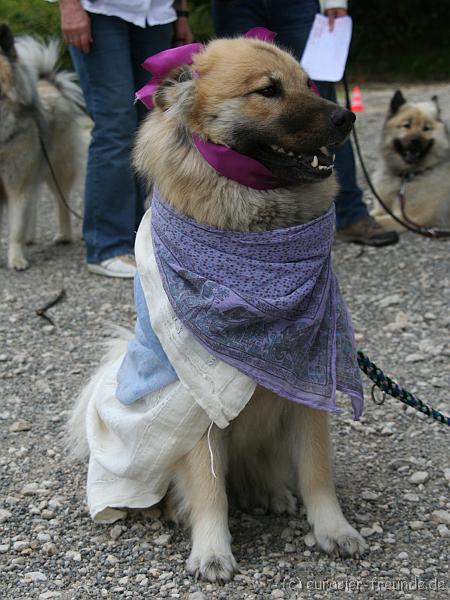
(55, 180)
(388, 386)
(428, 232)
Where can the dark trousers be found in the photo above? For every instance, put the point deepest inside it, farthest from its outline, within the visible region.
(292, 21)
(110, 75)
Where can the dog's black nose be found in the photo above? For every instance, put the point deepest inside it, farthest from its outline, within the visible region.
(343, 118)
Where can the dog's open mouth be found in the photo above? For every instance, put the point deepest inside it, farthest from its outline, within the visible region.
(412, 153)
(320, 162)
(294, 165)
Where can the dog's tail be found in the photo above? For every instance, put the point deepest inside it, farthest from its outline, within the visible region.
(42, 59)
(77, 443)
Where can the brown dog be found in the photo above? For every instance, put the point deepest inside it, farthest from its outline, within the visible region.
(255, 98)
(415, 154)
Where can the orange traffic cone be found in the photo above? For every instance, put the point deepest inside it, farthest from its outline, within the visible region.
(357, 104)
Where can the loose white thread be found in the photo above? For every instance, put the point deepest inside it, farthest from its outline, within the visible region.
(210, 451)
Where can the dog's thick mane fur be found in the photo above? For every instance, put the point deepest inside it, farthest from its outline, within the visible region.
(192, 186)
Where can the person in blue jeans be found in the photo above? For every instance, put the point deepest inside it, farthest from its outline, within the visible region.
(292, 21)
(108, 41)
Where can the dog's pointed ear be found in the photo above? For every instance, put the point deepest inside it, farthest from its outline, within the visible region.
(397, 100)
(435, 100)
(176, 92)
(7, 41)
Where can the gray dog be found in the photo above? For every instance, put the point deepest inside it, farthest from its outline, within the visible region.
(39, 107)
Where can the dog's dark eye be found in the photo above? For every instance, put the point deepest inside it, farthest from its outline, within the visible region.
(406, 125)
(271, 91)
(427, 127)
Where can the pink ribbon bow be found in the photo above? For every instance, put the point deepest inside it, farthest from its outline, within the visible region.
(162, 63)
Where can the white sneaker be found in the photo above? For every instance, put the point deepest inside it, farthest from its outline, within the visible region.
(119, 266)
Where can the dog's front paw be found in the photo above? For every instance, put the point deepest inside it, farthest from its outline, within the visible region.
(212, 567)
(341, 538)
(18, 263)
(283, 502)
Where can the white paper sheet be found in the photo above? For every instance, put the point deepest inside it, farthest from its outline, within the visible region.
(326, 51)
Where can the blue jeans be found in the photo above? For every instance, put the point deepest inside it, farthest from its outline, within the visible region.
(292, 20)
(110, 75)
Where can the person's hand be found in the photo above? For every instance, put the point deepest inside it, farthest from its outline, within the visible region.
(75, 25)
(182, 33)
(334, 13)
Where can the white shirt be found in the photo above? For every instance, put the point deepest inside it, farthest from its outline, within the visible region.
(135, 448)
(138, 12)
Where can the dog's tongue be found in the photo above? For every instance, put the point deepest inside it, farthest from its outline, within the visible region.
(238, 167)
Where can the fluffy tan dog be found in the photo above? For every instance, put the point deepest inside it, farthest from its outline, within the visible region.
(255, 98)
(415, 151)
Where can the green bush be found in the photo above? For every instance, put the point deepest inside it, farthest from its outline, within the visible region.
(405, 39)
(34, 17)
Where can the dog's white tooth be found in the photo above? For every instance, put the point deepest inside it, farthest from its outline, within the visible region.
(290, 154)
(334, 157)
(281, 150)
(314, 162)
(274, 147)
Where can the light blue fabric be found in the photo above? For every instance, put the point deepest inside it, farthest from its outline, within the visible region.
(145, 368)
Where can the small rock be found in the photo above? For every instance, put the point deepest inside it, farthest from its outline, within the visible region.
(20, 546)
(419, 477)
(403, 555)
(30, 489)
(309, 540)
(73, 555)
(411, 497)
(50, 549)
(441, 516)
(444, 531)
(415, 357)
(277, 594)
(43, 537)
(367, 531)
(143, 582)
(447, 474)
(416, 525)
(4, 515)
(4, 548)
(289, 548)
(35, 576)
(20, 425)
(287, 534)
(111, 559)
(49, 594)
(115, 532)
(390, 300)
(388, 429)
(368, 495)
(197, 596)
(163, 539)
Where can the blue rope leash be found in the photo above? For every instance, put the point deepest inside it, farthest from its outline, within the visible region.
(391, 387)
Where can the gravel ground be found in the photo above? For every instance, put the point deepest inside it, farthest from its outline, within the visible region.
(392, 468)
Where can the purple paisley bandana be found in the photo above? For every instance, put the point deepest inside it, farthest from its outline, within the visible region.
(266, 303)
